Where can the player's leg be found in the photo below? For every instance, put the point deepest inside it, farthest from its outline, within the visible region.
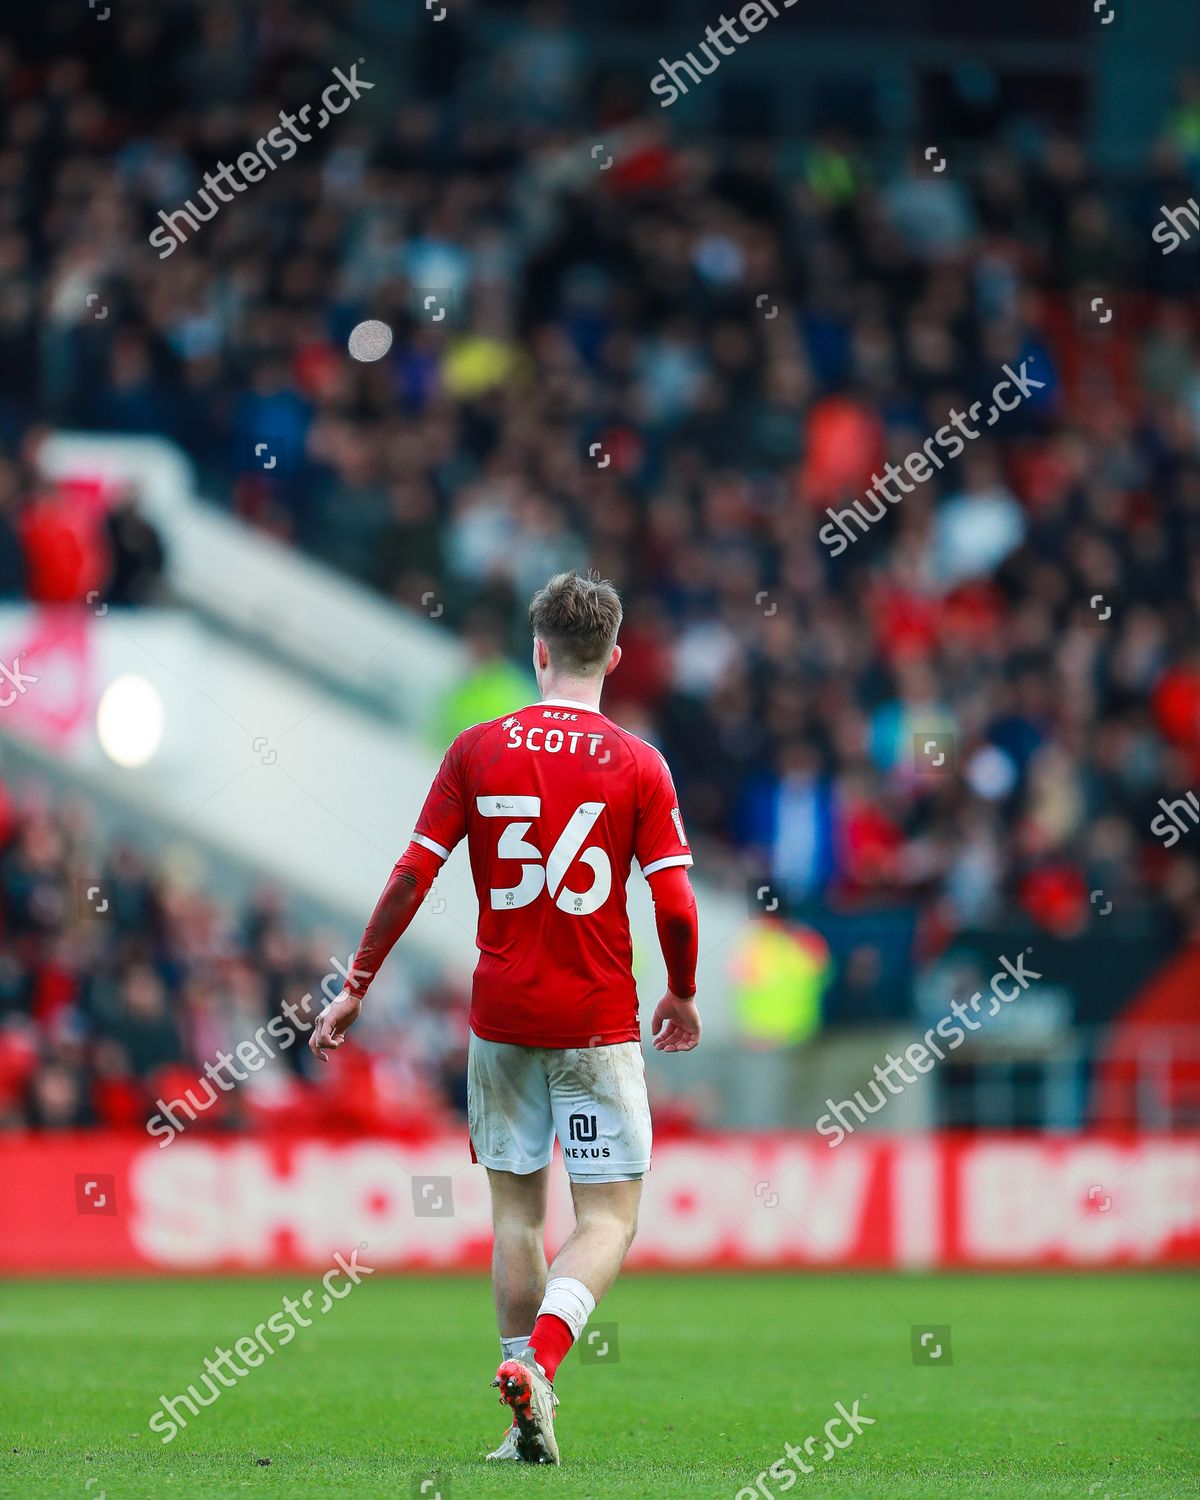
(602, 1118)
(606, 1216)
(583, 1270)
(586, 1266)
(512, 1135)
(518, 1253)
(518, 1271)
(519, 1285)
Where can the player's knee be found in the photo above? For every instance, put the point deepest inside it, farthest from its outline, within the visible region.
(520, 1234)
(518, 1203)
(519, 1216)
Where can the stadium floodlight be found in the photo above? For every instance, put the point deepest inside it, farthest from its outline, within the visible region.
(129, 721)
(370, 340)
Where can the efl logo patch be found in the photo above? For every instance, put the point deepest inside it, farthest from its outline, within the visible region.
(678, 822)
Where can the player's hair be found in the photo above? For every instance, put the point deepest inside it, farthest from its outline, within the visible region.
(578, 618)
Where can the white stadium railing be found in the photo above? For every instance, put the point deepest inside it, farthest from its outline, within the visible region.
(266, 753)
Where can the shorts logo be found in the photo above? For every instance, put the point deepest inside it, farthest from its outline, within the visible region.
(581, 1127)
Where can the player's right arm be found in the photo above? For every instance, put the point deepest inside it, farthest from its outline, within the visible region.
(440, 826)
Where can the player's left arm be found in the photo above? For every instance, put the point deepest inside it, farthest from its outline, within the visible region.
(440, 826)
(676, 1022)
(662, 851)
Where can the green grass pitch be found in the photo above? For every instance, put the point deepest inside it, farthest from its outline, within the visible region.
(1061, 1385)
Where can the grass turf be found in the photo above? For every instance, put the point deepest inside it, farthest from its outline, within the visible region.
(1064, 1385)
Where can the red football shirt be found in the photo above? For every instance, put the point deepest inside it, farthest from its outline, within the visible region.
(555, 801)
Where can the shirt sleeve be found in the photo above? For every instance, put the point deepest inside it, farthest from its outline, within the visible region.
(410, 879)
(443, 820)
(678, 933)
(660, 841)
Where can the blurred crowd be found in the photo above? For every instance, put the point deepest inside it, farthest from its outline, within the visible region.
(123, 986)
(669, 359)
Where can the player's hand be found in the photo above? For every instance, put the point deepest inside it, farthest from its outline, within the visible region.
(680, 1023)
(332, 1025)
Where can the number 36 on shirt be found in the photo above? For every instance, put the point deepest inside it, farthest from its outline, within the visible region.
(519, 813)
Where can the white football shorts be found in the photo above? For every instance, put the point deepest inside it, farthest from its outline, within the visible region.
(592, 1098)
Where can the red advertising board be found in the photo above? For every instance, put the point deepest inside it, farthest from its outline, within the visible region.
(115, 1203)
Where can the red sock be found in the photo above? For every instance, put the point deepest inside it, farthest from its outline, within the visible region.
(550, 1341)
